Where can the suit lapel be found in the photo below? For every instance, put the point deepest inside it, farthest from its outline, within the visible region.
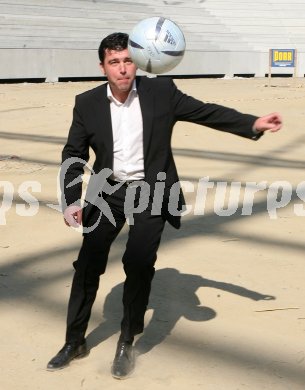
(103, 120)
(147, 108)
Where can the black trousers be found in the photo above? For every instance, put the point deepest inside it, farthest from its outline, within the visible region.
(138, 260)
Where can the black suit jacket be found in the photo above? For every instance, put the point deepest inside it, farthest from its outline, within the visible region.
(162, 105)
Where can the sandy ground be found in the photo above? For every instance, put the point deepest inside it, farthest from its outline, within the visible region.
(227, 307)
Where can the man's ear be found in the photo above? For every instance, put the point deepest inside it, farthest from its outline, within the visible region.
(102, 69)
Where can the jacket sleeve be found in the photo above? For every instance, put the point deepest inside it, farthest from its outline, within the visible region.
(189, 109)
(75, 155)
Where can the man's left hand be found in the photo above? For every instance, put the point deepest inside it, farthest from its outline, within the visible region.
(272, 122)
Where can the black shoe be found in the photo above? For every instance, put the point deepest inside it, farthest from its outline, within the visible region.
(124, 361)
(68, 352)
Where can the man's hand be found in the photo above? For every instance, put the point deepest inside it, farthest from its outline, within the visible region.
(272, 122)
(73, 216)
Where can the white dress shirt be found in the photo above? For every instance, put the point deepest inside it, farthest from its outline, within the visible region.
(127, 130)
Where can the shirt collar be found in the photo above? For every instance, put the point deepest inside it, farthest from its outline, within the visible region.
(133, 92)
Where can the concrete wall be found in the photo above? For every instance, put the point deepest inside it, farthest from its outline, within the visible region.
(59, 39)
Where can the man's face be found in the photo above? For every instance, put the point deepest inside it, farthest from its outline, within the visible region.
(120, 71)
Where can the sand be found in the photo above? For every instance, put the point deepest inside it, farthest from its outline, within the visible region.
(227, 305)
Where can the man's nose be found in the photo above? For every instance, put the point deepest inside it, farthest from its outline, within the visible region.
(122, 67)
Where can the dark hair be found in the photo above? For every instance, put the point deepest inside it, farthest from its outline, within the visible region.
(116, 41)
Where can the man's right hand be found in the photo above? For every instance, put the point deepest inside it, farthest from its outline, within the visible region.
(73, 216)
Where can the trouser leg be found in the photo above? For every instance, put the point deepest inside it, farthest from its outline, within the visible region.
(139, 259)
(91, 263)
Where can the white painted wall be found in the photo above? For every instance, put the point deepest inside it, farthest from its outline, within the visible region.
(42, 39)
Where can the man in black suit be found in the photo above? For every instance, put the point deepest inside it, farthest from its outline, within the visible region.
(128, 123)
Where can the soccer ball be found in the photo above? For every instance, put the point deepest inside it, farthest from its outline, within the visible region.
(156, 45)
